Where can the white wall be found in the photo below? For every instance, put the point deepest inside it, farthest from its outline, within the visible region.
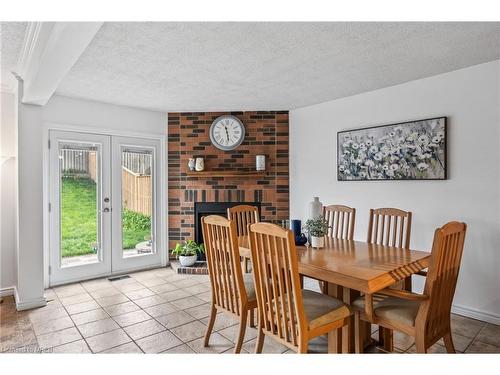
(34, 121)
(470, 99)
(8, 208)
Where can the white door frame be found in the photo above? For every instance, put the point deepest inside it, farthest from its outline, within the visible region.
(58, 274)
(98, 129)
(121, 264)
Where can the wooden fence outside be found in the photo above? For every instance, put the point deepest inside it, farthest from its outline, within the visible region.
(136, 192)
(136, 186)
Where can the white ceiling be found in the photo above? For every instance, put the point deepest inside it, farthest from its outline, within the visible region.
(259, 66)
(11, 42)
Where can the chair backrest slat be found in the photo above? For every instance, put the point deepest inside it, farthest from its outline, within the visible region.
(243, 215)
(389, 227)
(340, 220)
(277, 283)
(223, 260)
(442, 278)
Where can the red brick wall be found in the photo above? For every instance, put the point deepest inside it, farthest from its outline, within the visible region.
(188, 136)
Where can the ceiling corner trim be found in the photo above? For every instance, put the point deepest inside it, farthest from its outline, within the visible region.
(49, 51)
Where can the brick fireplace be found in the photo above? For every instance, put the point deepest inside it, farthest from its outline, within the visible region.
(188, 136)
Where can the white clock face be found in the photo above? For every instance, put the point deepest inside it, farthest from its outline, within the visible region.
(227, 132)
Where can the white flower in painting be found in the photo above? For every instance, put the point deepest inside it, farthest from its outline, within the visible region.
(436, 139)
(385, 149)
(341, 168)
(347, 152)
(378, 156)
(394, 167)
(355, 146)
(390, 173)
(423, 139)
(369, 163)
(440, 134)
(392, 134)
(385, 167)
(369, 142)
(362, 174)
(362, 146)
(422, 166)
(427, 155)
(373, 149)
(347, 171)
(412, 137)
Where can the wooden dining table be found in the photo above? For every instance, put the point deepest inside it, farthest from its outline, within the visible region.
(350, 268)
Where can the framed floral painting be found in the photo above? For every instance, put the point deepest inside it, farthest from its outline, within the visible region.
(413, 150)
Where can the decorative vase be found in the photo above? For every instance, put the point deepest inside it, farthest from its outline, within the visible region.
(315, 208)
(187, 261)
(191, 164)
(260, 162)
(200, 164)
(318, 242)
(296, 227)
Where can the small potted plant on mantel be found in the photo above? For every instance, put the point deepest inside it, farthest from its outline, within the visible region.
(317, 229)
(188, 252)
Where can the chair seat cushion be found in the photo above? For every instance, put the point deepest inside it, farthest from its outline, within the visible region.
(249, 286)
(321, 309)
(392, 308)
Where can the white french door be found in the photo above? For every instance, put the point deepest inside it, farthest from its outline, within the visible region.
(104, 205)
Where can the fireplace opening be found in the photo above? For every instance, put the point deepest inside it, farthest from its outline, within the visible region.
(213, 208)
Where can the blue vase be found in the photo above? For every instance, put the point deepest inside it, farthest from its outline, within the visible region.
(296, 227)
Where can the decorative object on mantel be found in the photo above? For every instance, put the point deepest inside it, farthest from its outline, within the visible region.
(317, 229)
(235, 173)
(188, 252)
(315, 209)
(296, 227)
(260, 163)
(191, 164)
(200, 164)
(413, 150)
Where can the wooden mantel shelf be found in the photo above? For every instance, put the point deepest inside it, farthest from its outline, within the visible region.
(204, 174)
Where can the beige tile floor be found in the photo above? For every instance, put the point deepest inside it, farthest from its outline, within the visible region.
(159, 311)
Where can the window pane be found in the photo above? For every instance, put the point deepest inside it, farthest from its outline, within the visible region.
(137, 201)
(79, 171)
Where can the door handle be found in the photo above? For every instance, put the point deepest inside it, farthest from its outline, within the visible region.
(106, 199)
(106, 209)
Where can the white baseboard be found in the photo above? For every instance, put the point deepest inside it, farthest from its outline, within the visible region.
(476, 314)
(4, 292)
(29, 304)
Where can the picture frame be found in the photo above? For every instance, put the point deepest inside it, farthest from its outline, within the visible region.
(410, 150)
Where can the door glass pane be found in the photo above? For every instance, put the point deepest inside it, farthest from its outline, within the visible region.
(137, 201)
(79, 207)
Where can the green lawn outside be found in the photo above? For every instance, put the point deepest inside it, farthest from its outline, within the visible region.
(79, 219)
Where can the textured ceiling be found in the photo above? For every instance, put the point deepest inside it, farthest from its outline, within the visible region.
(11, 41)
(236, 66)
(257, 66)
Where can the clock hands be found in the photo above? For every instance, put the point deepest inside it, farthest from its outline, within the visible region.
(227, 133)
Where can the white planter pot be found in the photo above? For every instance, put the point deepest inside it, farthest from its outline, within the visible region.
(317, 241)
(187, 261)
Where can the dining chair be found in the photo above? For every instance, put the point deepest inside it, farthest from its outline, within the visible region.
(231, 291)
(287, 313)
(341, 220)
(390, 227)
(243, 215)
(426, 317)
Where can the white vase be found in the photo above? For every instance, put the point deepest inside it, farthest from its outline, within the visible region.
(315, 208)
(187, 261)
(260, 162)
(318, 242)
(191, 164)
(200, 164)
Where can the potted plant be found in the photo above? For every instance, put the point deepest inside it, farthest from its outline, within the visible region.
(188, 252)
(317, 229)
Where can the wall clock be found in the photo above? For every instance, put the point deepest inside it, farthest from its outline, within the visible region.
(227, 132)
